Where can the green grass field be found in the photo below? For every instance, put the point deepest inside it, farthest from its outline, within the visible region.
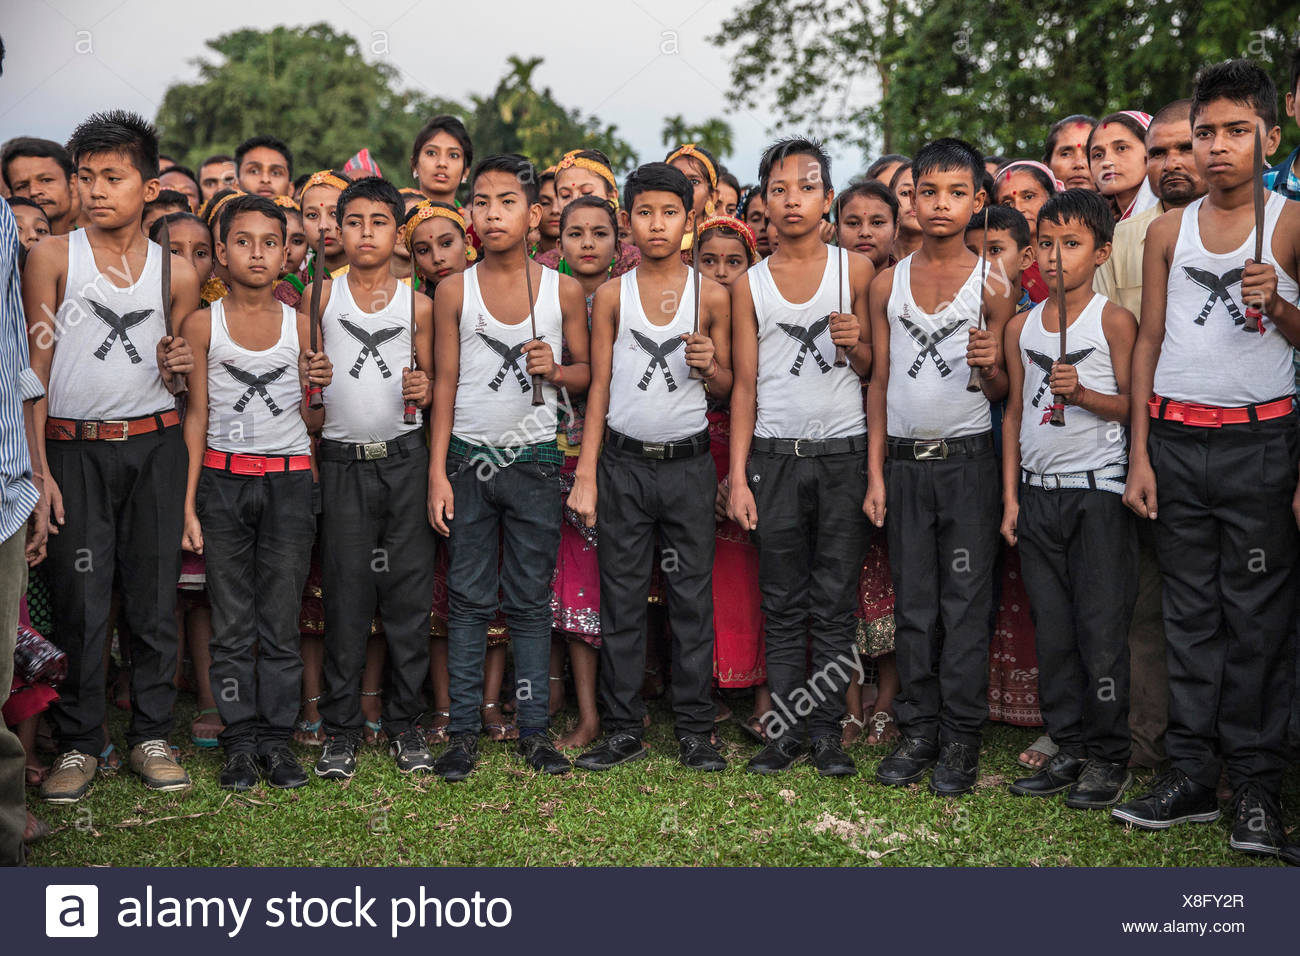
(650, 813)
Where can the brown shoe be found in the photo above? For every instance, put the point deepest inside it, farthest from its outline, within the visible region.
(152, 760)
(70, 778)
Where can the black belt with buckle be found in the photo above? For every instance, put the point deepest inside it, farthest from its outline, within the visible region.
(330, 450)
(913, 450)
(810, 447)
(697, 444)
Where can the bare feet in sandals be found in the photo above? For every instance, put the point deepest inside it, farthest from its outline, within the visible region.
(580, 736)
(435, 732)
(1037, 754)
(851, 728)
(883, 729)
(495, 726)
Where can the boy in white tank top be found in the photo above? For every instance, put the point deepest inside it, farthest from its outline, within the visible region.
(110, 442)
(1213, 464)
(494, 465)
(374, 468)
(655, 480)
(798, 434)
(933, 470)
(1062, 506)
(248, 501)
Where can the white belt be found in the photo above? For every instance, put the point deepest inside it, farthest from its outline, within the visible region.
(1111, 478)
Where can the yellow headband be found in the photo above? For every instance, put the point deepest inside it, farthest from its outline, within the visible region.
(426, 210)
(591, 165)
(286, 202)
(325, 178)
(690, 150)
(210, 214)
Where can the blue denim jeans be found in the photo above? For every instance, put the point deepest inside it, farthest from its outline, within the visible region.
(501, 551)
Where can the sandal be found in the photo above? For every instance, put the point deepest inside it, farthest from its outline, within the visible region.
(848, 720)
(373, 735)
(109, 762)
(884, 729)
(198, 723)
(436, 734)
(753, 728)
(1043, 745)
(308, 732)
(498, 732)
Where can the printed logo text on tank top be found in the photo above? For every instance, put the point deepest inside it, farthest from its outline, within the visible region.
(928, 342)
(117, 326)
(370, 342)
(256, 385)
(659, 352)
(1044, 363)
(807, 339)
(1217, 287)
(510, 356)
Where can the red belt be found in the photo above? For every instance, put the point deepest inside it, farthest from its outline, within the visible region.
(1211, 416)
(255, 464)
(72, 429)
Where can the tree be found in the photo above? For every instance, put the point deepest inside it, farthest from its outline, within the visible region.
(888, 75)
(713, 134)
(308, 85)
(517, 118)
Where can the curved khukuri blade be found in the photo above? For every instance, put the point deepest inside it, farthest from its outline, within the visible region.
(314, 397)
(841, 353)
(408, 411)
(974, 384)
(1058, 402)
(538, 397)
(695, 277)
(1253, 312)
(178, 384)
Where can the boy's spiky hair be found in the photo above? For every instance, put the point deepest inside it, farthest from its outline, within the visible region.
(1006, 218)
(1242, 81)
(514, 164)
(372, 187)
(947, 154)
(117, 131)
(794, 146)
(1081, 205)
(658, 177)
(249, 203)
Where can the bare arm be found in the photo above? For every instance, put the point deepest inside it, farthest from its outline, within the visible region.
(715, 324)
(604, 330)
(42, 290)
(446, 376)
(196, 329)
(877, 396)
(1011, 419)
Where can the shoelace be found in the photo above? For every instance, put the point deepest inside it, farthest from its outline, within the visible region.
(410, 740)
(156, 748)
(337, 747)
(72, 760)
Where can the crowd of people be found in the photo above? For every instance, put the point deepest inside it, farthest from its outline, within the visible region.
(968, 437)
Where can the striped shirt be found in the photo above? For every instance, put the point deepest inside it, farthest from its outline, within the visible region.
(18, 384)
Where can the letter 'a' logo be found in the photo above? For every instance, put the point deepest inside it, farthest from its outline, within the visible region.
(71, 910)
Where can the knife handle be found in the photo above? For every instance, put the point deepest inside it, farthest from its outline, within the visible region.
(1253, 315)
(538, 397)
(315, 398)
(408, 414)
(178, 385)
(973, 384)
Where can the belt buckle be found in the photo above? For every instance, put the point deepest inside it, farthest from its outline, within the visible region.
(797, 452)
(1204, 416)
(930, 450)
(1051, 482)
(247, 465)
(654, 449)
(374, 450)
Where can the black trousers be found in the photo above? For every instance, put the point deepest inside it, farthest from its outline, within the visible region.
(640, 501)
(377, 550)
(942, 525)
(1078, 551)
(1148, 711)
(812, 540)
(257, 536)
(1226, 540)
(125, 506)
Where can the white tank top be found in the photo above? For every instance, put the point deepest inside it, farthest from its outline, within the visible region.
(105, 365)
(494, 394)
(651, 394)
(254, 396)
(368, 350)
(1085, 442)
(800, 392)
(928, 374)
(1207, 356)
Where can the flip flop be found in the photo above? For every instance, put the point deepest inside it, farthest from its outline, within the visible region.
(1043, 745)
(204, 741)
(752, 728)
(108, 761)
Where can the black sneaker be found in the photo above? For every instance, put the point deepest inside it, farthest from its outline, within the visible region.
(409, 751)
(239, 772)
(281, 769)
(1174, 798)
(779, 754)
(696, 752)
(458, 759)
(1256, 822)
(1059, 773)
(615, 749)
(956, 770)
(338, 759)
(540, 754)
(1101, 785)
(829, 758)
(908, 763)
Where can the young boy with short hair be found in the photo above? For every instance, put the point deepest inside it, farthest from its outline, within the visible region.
(376, 548)
(110, 435)
(1214, 442)
(1061, 493)
(655, 481)
(166, 202)
(264, 166)
(494, 464)
(1007, 249)
(248, 501)
(932, 464)
(801, 489)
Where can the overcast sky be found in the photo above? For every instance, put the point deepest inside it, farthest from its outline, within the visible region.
(630, 62)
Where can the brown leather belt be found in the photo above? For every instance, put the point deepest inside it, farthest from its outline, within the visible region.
(72, 429)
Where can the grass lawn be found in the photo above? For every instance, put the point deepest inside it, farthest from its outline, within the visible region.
(650, 813)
